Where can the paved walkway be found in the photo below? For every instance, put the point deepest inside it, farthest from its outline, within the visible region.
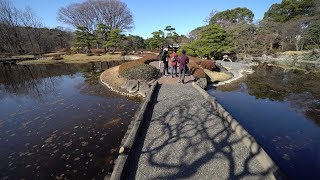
(185, 139)
(168, 79)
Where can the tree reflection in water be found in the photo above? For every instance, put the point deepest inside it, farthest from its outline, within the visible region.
(299, 88)
(57, 121)
(281, 109)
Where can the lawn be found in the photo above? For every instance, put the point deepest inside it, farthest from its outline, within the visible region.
(74, 58)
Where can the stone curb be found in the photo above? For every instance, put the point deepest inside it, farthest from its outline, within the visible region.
(130, 137)
(112, 89)
(264, 159)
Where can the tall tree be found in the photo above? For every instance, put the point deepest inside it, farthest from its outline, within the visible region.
(33, 29)
(228, 17)
(212, 42)
(102, 34)
(112, 13)
(10, 21)
(312, 34)
(114, 40)
(290, 9)
(157, 40)
(84, 38)
(132, 42)
(295, 18)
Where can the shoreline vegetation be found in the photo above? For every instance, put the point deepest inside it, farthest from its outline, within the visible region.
(54, 58)
(233, 71)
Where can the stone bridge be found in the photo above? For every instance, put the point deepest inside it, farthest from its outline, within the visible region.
(181, 132)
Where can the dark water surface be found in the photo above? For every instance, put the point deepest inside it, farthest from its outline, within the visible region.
(281, 109)
(57, 121)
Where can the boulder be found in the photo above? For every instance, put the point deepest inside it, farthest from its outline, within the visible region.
(202, 82)
(125, 85)
(132, 86)
(218, 76)
(152, 82)
(144, 88)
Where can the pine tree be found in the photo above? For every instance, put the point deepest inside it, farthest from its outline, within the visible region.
(84, 38)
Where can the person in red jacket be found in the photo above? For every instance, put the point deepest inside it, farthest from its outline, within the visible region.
(174, 62)
(183, 60)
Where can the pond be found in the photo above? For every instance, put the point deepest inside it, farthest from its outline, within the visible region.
(281, 109)
(57, 121)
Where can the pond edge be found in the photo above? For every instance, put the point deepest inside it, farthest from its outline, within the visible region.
(130, 137)
(259, 153)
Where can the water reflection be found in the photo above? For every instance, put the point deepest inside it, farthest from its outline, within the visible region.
(281, 109)
(299, 88)
(57, 121)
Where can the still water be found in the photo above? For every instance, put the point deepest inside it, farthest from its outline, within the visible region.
(57, 121)
(281, 109)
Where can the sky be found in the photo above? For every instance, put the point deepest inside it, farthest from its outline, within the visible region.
(152, 15)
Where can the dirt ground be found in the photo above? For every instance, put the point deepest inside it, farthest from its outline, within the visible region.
(112, 78)
(168, 79)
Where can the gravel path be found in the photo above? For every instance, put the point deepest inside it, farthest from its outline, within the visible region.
(185, 139)
(169, 79)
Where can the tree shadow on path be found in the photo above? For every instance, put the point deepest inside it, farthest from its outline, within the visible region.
(190, 142)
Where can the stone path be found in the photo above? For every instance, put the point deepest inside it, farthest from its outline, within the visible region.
(168, 79)
(185, 139)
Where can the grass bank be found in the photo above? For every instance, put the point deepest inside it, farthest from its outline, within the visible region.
(74, 58)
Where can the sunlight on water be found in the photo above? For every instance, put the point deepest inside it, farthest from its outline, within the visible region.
(57, 121)
(281, 109)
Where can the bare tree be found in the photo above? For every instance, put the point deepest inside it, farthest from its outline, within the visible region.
(78, 15)
(32, 26)
(212, 13)
(89, 14)
(9, 20)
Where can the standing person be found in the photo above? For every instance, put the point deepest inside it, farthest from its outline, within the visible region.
(159, 56)
(183, 61)
(174, 59)
(164, 58)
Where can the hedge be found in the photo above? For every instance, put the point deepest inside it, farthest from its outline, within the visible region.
(196, 71)
(208, 64)
(142, 72)
(140, 69)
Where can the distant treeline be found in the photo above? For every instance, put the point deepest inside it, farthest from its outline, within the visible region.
(21, 32)
(292, 25)
(28, 40)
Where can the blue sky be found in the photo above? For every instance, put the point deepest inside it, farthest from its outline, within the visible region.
(151, 15)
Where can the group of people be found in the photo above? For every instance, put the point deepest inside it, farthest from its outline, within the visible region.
(175, 61)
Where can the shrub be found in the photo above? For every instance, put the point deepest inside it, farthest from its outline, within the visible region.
(89, 54)
(193, 66)
(57, 54)
(199, 73)
(208, 64)
(196, 70)
(141, 72)
(57, 57)
(97, 51)
(123, 53)
(198, 62)
(134, 64)
(127, 66)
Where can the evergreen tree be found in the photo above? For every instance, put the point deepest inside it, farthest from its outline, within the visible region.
(114, 39)
(102, 34)
(84, 38)
(157, 40)
(212, 42)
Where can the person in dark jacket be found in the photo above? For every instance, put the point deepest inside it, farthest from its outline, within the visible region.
(183, 60)
(164, 57)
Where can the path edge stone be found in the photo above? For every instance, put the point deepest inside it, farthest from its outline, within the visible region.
(260, 154)
(130, 137)
(113, 89)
